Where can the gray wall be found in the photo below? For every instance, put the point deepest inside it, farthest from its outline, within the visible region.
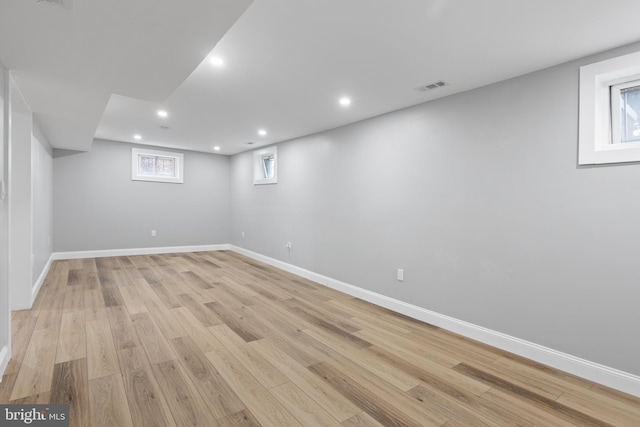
(20, 202)
(42, 200)
(5, 313)
(31, 199)
(478, 197)
(97, 205)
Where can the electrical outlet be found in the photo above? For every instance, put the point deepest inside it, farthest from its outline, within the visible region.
(400, 275)
(289, 246)
(153, 233)
(243, 234)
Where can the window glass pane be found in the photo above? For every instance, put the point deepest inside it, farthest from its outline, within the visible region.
(267, 165)
(156, 166)
(629, 114)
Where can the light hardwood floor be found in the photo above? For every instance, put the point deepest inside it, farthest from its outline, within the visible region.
(218, 339)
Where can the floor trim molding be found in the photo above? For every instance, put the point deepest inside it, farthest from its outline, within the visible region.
(38, 284)
(101, 253)
(598, 373)
(4, 360)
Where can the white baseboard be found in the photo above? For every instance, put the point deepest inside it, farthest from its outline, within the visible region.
(36, 286)
(598, 373)
(137, 251)
(117, 252)
(4, 360)
(4, 353)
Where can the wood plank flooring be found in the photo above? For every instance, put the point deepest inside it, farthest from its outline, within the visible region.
(218, 339)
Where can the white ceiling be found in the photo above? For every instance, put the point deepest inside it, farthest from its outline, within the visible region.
(103, 68)
(68, 62)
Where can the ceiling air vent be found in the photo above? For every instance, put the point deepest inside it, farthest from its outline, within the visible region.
(433, 86)
(67, 4)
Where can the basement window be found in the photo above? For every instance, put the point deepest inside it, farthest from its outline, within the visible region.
(157, 166)
(610, 111)
(265, 166)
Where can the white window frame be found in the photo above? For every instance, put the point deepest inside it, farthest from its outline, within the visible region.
(596, 143)
(259, 170)
(178, 177)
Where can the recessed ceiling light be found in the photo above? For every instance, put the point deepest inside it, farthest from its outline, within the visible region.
(217, 61)
(137, 136)
(162, 113)
(216, 148)
(345, 101)
(262, 132)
